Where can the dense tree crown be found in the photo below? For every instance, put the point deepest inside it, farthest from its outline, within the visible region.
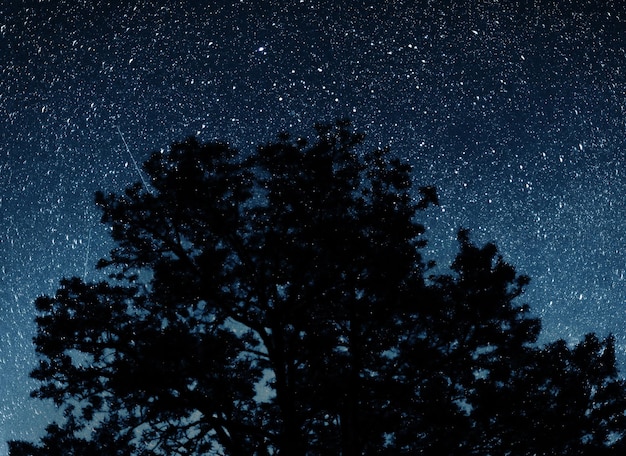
(276, 303)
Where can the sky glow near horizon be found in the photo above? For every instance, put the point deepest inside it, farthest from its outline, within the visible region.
(514, 112)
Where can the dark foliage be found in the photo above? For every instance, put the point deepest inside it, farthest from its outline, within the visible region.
(278, 303)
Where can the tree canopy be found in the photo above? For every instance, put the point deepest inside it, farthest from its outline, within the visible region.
(277, 302)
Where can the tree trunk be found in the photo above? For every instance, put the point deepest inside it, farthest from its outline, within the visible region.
(291, 441)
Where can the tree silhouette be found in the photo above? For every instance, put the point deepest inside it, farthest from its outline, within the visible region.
(277, 303)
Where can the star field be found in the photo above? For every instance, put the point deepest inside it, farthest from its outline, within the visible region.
(514, 110)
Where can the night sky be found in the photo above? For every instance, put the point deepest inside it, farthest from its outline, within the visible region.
(514, 110)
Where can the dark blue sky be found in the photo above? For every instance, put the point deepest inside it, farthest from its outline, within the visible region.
(514, 110)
